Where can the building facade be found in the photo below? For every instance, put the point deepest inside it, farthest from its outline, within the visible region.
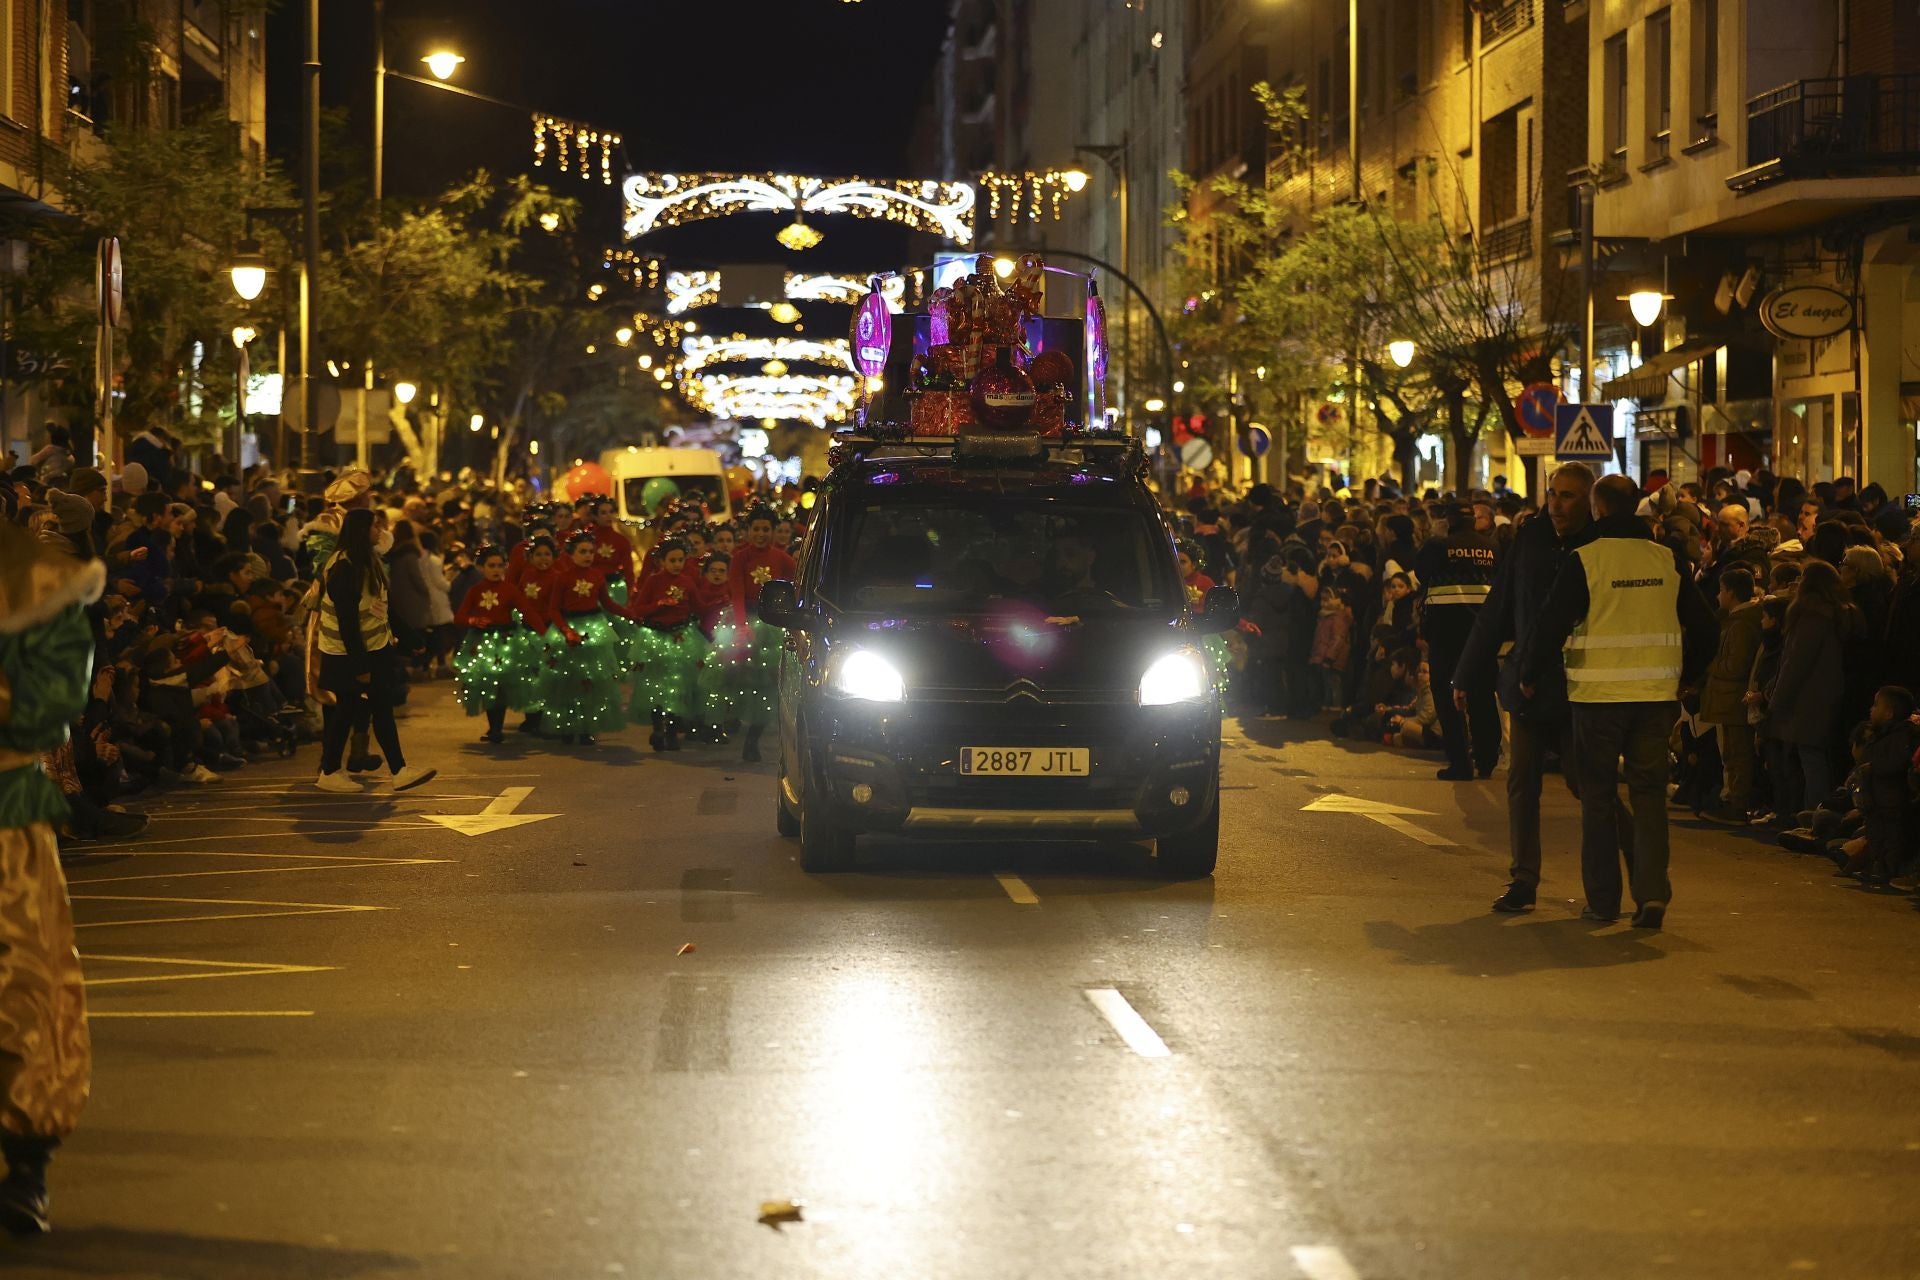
(1756, 159)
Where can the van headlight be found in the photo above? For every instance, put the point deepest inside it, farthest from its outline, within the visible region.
(1176, 677)
(866, 675)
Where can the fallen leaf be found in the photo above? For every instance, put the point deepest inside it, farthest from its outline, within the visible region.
(775, 1212)
(684, 948)
(579, 864)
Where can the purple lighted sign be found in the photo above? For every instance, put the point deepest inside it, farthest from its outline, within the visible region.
(1096, 339)
(872, 335)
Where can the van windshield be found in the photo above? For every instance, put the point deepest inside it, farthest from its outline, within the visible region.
(707, 489)
(971, 553)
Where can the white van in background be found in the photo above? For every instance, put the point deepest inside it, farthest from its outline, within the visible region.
(695, 473)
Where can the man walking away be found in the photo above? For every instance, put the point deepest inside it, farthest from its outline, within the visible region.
(1456, 573)
(1633, 631)
(1540, 724)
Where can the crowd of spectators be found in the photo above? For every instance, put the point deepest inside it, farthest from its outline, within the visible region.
(200, 654)
(1802, 728)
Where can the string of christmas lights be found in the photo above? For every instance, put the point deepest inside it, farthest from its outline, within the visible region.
(573, 147)
(1032, 190)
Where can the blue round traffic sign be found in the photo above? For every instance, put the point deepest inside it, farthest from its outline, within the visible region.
(1255, 440)
(1535, 408)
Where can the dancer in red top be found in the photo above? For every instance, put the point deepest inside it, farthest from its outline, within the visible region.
(754, 566)
(670, 650)
(580, 683)
(499, 661)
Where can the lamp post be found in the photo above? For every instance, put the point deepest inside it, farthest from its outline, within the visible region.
(248, 271)
(310, 215)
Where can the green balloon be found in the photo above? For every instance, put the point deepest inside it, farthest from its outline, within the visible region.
(656, 491)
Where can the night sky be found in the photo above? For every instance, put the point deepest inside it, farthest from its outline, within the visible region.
(806, 86)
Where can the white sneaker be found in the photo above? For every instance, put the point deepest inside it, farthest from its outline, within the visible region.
(201, 774)
(337, 782)
(412, 776)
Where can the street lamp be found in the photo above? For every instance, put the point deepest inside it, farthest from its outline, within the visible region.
(1401, 350)
(443, 63)
(476, 422)
(404, 392)
(1647, 302)
(249, 269)
(1076, 179)
(623, 335)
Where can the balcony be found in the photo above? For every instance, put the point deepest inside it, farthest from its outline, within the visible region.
(1497, 23)
(1832, 128)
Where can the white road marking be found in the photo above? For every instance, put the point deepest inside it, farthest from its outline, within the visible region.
(1126, 1021)
(1387, 815)
(93, 1014)
(497, 816)
(1322, 1262)
(1017, 889)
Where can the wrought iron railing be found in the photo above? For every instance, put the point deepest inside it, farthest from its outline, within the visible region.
(1506, 242)
(1497, 24)
(1835, 125)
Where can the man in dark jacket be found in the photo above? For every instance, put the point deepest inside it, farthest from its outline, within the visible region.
(1456, 572)
(1538, 725)
(1634, 632)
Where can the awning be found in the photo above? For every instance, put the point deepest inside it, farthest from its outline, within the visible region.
(1649, 380)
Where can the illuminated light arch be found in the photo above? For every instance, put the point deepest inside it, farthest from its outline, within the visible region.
(657, 200)
(686, 290)
(802, 287)
(703, 350)
(807, 398)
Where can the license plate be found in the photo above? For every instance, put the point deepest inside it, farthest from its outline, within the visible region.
(1026, 762)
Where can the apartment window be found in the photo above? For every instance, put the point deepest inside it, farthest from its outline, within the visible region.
(1659, 83)
(1705, 101)
(6, 60)
(1613, 105)
(1404, 37)
(1499, 172)
(1466, 29)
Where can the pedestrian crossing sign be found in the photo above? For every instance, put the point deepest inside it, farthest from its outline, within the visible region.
(1583, 432)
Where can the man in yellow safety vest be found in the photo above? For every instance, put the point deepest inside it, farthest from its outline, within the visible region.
(1634, 632)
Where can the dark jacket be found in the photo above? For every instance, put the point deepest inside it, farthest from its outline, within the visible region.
(1567, 603)
(1806, 698)
(1888, 756)
(407, 596)
(1722, 697)
(1519, 593)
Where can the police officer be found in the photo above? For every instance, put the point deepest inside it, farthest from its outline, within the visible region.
(1633, 631)
(1456, 572)
(1538, 725)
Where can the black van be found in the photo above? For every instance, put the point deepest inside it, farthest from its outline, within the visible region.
(990, 638)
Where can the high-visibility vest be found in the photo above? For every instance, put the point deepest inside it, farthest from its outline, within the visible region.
(374, 631)
(1628, 647)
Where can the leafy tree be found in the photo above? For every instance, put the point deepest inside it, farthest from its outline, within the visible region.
(1305, 291)
(176, 198)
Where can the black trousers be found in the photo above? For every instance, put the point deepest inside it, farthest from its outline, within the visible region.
(1612, 740)
(359, 703)
(1472, 740)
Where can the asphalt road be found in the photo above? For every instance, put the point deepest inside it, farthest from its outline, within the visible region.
(338, 1039)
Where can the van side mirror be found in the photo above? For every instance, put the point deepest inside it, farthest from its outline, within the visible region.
(1220, 611)
(779, 606)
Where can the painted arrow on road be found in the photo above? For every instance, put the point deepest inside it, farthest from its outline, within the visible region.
(1387, 815)
(497, 816)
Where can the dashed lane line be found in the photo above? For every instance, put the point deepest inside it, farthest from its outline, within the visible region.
(1017, 889)
(310, 861)
(1322, 1262)
(1127, 1023)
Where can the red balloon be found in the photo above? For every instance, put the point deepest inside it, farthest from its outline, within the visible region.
(588, 477)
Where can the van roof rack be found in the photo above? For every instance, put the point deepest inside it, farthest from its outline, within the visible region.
(1109, 451)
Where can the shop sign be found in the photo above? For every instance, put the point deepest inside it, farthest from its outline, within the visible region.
(1806, 311)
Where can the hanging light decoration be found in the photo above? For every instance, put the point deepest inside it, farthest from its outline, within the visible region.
(798, 236)
(574, 148)
(656, 200)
